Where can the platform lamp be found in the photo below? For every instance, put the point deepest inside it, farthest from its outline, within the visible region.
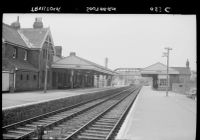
(166, 54)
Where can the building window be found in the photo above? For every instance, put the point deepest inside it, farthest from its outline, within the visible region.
(21, 77)
(14, 53)
(34, 77)
(163, 82)
(182, 79)
(45, 54)
(25, 54)
(27, 77)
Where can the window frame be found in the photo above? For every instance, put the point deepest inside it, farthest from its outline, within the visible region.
(25, 55)
(14, 55)
(27, 77)
(21, 77)
(34, 77)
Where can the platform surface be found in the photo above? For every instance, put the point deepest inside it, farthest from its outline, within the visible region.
(24, 98)
(154, 116)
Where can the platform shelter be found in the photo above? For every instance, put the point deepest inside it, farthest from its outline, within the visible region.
(76, 72)
(158, 72)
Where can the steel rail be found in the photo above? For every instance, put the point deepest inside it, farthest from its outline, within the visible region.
(15, 125)
(96, 118)
(121, 119)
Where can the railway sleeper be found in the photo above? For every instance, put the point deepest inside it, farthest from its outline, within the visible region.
(10, 136)
(110, 118)
(89, 137)
(40, 123)
(46, 121)
(108, 122)
(105, 123)
(99, 129)
(101, 126)
(31, 125)
(93, 135)
(25, 129)
(17, 131)
(96, 132)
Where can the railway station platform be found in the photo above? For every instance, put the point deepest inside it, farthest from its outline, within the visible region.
(10, 100)
(154, 116)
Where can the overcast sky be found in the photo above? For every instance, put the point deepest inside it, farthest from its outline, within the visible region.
(128, 40)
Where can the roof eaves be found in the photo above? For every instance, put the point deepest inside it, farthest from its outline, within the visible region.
(98, 66)
(24, 47)
(25, 39)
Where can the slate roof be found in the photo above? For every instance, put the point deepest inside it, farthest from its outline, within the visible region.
(10, 64)
(33, 37)
(11, 35)
(182, 70)
(75, 62)
(25, 37)
(56, 58)
(158, 68)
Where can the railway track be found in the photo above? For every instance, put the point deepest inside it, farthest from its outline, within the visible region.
(107, 123)
(56, 119)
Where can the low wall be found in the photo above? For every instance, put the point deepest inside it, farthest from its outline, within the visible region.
(180, 88)
(16, 114)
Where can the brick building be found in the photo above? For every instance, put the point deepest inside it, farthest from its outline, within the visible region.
(27, 53)
(178, 76)
(76, 72)
(24, 55)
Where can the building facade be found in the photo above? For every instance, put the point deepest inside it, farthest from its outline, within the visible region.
(178, 76)
(76, 72)
(25, 54)
(29, 58)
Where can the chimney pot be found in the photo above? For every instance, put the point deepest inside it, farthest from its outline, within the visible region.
(38, 23)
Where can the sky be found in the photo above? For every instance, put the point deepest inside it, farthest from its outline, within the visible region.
(127, 40)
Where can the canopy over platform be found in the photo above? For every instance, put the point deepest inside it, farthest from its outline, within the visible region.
(75, 62)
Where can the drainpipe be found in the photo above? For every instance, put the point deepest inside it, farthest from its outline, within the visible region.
(14, 79)
(39, 73)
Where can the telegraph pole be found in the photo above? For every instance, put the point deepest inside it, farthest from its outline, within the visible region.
(167, 55)
(46, 70)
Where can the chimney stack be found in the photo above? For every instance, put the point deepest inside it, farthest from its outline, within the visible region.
(16, 24)
(106, 62)
(38, 23)
(58, 50)
(187, 64)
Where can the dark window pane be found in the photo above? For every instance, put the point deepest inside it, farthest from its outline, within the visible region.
(21, 77)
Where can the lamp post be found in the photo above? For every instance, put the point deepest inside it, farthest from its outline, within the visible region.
(166, 54)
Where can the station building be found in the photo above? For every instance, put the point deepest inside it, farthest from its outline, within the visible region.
(178, 76)
(156, 76)
(24, 55)
(27, 52)
(76, 72)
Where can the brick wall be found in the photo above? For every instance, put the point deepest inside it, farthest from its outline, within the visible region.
(16, 114)
(9, 49)
(22, 83)
(33, 58)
